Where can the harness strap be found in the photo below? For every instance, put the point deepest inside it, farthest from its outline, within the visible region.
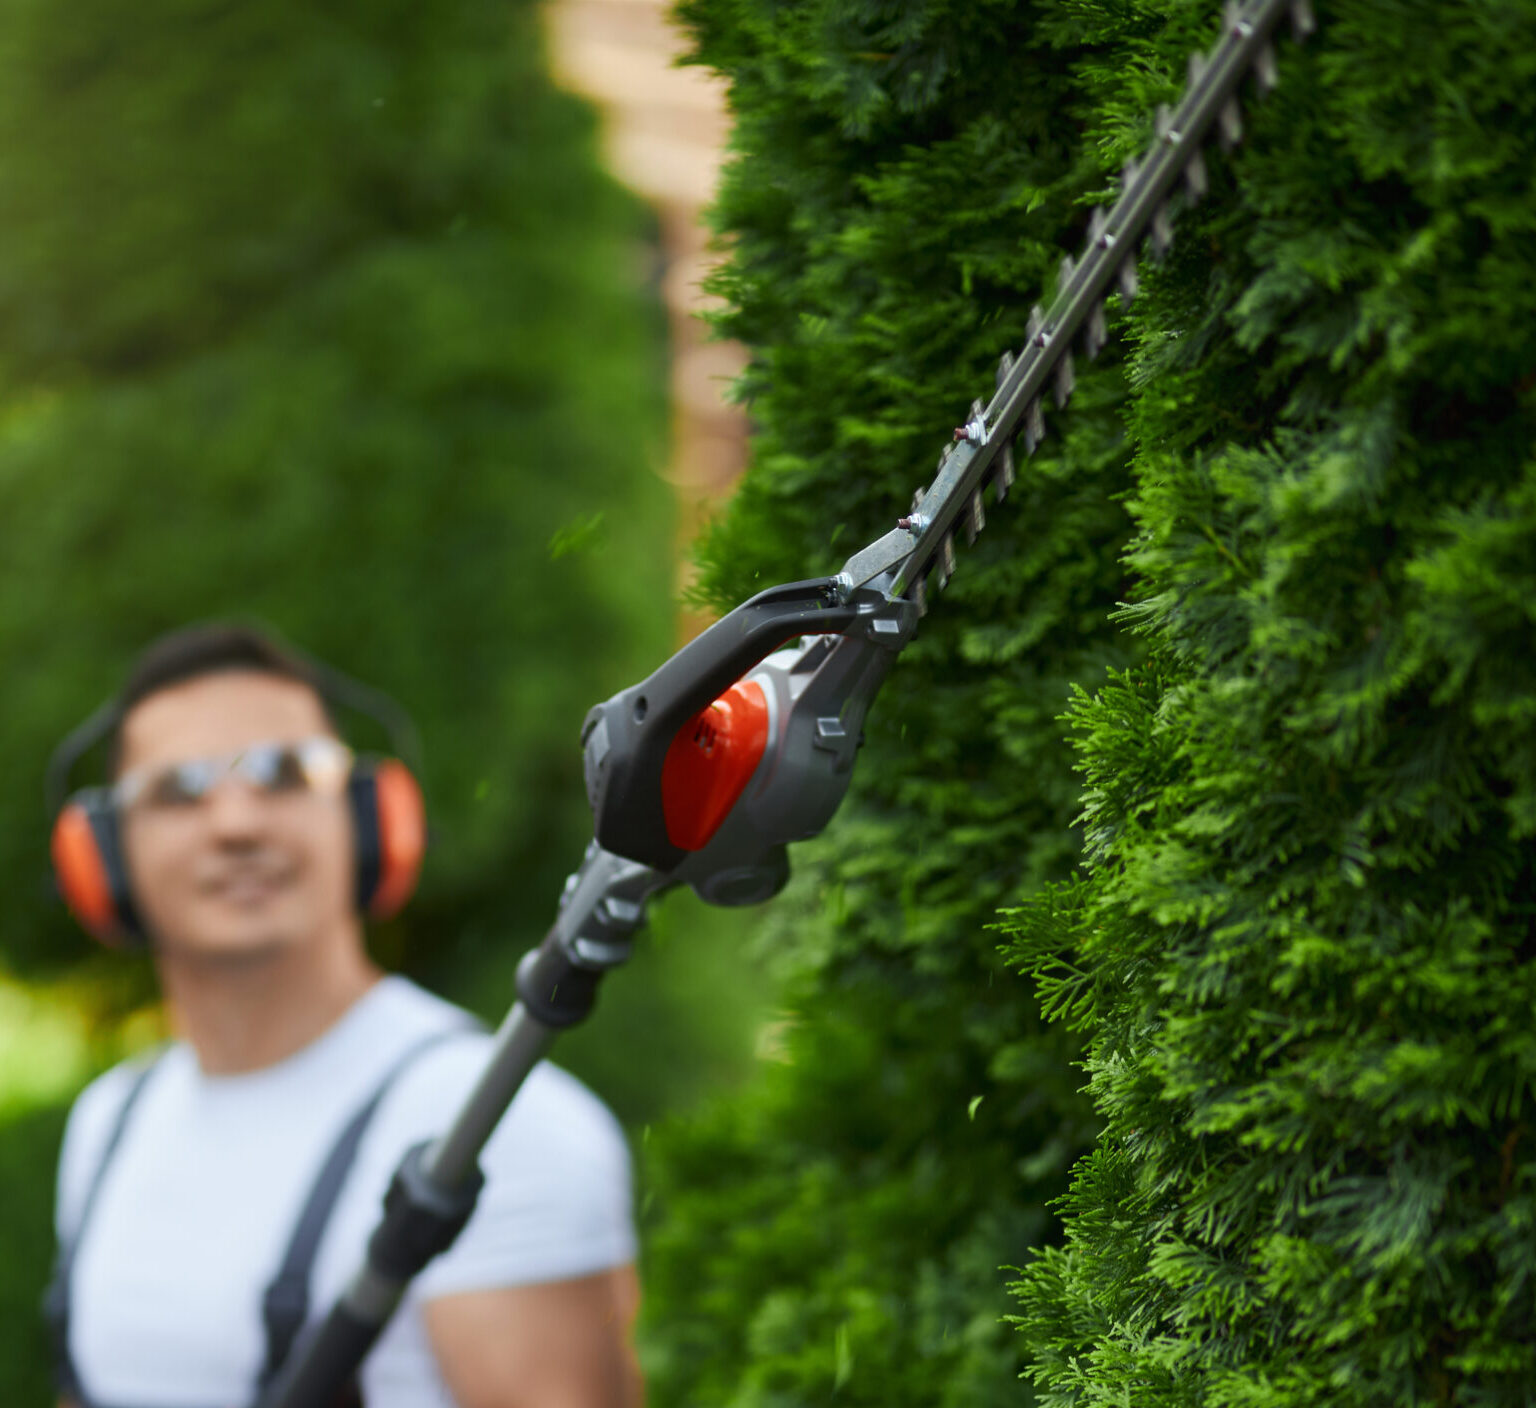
(285, 1306)
(56, 1297)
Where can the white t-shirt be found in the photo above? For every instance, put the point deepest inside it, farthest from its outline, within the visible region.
(204, 1191)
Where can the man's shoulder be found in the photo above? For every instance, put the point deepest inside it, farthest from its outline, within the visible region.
(92, 1119)
(552, 1106)
(98, 1105)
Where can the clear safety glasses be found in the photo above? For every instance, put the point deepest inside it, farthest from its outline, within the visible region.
(317, 765)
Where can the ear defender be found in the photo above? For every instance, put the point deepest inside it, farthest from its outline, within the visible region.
(389, 821)
(88, 866)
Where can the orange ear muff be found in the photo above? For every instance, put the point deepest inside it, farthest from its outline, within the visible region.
(84, 870)
(402, 837)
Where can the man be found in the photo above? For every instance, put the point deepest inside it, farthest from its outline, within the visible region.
(236, 834)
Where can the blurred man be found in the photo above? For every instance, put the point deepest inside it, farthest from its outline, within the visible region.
(183, 1177)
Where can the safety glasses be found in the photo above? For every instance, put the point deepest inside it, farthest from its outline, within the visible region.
(317, 765)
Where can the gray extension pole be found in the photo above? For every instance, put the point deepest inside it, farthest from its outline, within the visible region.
(435, 1187)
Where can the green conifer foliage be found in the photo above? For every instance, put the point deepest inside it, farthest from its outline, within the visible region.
(904, 179)
(1303, 948)
(323, 315)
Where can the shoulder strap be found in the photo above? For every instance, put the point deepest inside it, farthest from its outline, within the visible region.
(57, 1297)
(285, 1306)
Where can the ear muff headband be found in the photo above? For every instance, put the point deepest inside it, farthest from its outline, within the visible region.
(386, 803)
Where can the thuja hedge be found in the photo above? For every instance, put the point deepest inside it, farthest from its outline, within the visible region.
(1303, 948)
(1298, 945)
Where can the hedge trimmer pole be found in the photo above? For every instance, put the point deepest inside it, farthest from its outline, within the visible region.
(433, 1191)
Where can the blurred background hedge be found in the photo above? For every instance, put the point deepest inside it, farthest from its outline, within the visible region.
(324, 316)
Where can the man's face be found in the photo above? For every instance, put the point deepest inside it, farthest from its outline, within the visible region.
(241, 872)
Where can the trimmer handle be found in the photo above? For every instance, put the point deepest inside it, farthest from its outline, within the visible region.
(626, 739)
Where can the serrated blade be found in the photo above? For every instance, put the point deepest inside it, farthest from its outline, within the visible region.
(983, 451)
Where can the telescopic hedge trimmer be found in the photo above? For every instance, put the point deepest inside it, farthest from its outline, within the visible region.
(744, 741)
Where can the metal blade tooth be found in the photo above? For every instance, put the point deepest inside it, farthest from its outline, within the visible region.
(1034, 426)
(1129, 281)
(1162, 230)
(1004, 366)
(1066, 379)
(1033, 328)
(1167, 134)
(1232, 19)
(1230, 123)
(938, 578)
(1196, 180)
(1265, 70)
(975, 517)
(920, 594)
(946, 560)
(1007, 471)
(917, 498)
(1095, 333)
(1098, 230)
(1068, 268)
(1128, 174)
(1197, 66)
(1303, 22)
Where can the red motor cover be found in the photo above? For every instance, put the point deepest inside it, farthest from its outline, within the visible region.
(710, 763)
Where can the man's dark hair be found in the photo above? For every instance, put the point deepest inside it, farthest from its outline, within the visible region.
(207, 648)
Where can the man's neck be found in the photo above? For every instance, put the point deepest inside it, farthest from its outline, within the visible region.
(244, 1014)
